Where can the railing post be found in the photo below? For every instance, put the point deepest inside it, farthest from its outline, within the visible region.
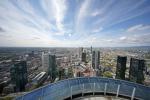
(71, 92)
(94, 89)
(83, 89)
(105, 88)
(133, 93)
(69, 87)
(22, 97)
(118, 90)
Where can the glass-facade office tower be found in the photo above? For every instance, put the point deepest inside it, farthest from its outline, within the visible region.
(49, 65)
(80, 52)
(45, 61)
(83, 57)
(136, 72)
(18, 73)
(121, 67)
(95, 59)
(91, 49)
(52, 71)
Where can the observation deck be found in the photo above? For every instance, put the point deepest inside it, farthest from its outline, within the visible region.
(70, 89)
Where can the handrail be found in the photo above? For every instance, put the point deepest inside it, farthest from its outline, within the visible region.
(61, 89)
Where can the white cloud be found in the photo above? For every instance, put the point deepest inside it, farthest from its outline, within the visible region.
(121, 11)
(96, 13)
(109, 40)
(134, 28)
(23, 27)
(56, 10)
(59, 6)
(69, 35)
(139, 27)
(134, 39)
(123, 38)
(83, 11)
(97, 30)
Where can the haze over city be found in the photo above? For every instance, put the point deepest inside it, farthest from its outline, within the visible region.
(74, 23)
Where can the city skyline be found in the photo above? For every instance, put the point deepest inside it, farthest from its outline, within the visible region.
(73, 23)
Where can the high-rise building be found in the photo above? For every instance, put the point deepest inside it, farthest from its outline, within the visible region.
(91, 49)
(121, 67)
(31, 54)
(52, 70)
(95, 59)
(45, 61)
(80, 52)
(136, 72)
(49, 65)
(83, 57)
(18, 73)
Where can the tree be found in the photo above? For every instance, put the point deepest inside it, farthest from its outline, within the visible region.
(107, 74)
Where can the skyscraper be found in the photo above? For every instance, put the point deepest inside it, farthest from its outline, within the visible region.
(136, 73)
(18, 73)
(52, 71)
(95, 59)
(80, 52)
(49, 65)
(91, 49)
(45, 61)
(121, 67)
(83, 59)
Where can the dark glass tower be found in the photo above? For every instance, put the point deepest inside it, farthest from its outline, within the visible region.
(80, 52)
(136, 73)
(18, 73)
(91, 49)
(121, 67)
(83, 57)
(52, 69)
(95, 59)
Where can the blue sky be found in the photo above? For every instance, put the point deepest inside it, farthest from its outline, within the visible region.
(74, 23)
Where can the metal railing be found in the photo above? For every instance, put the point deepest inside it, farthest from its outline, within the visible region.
(69, 87)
